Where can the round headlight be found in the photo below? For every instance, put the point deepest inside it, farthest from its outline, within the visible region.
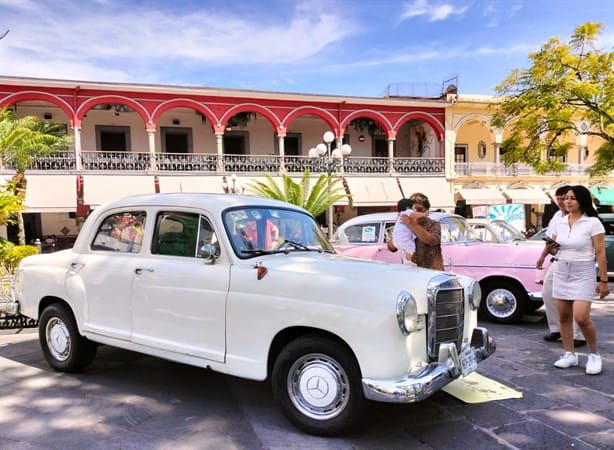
(407, 312)
(475, 295)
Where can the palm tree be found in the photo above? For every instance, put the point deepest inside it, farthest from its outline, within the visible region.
(317, 199)
(23, 139)
(10, 205)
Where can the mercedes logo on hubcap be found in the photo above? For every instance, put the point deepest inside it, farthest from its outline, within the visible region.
(317, 387)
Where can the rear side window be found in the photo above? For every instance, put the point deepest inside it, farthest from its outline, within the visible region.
(176, 234)
(365, 233)
(121, 232)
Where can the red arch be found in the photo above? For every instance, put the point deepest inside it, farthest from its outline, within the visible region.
(251, 107)
(435, 124)
(322, 113)
(379, 118)
(40, 96)
(90, 103)
(183, 103)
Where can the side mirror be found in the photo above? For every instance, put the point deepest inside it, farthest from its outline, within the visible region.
(208, 252)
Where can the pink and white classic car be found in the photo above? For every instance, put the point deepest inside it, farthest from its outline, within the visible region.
(511, 285)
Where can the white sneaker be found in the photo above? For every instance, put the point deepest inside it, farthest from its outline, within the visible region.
(593, 365)
(567, 360)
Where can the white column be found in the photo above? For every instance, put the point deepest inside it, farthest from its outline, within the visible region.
(151, 139)
(79, 163)
(282, 150)
(219, 141)
(391, 154)
(450, 162)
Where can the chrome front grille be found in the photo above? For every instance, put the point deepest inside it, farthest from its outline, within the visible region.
(446, 316)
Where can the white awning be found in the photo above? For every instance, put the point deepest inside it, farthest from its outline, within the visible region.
(51, 193)
(373, 191)
(99, 189)
(482, 196)
(528, 196)
(437, 189)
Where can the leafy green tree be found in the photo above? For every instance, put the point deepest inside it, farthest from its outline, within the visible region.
(317, 199)
(23, 139)
(10, 204)
(567, 84)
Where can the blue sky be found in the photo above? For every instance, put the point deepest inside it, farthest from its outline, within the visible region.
(340, 47)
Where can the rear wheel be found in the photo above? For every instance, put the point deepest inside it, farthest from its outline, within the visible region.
(502, 301)
(63, 347)
(317, 383)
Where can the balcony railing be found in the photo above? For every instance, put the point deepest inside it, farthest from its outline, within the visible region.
(514, 170)
(129, 161)
(97, 161)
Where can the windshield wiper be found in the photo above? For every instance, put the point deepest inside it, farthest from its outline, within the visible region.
(259, 251)
(285, 247)
(298, 246)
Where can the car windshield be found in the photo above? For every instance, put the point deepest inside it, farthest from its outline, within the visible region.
(456, 229)
(256, 231)
(507, 232)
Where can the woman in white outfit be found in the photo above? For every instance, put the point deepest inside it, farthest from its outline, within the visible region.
(581, 240)
(552, 313)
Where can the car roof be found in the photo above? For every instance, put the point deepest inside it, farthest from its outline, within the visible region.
(214, 203)
(484, 220)
(390, 216)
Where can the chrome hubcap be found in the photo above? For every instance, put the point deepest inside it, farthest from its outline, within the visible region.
(318, 386)
(58, 339)
(501, 303)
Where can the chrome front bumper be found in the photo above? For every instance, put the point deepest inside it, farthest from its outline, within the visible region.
(417, 386)
(9, 307)
(535, 296)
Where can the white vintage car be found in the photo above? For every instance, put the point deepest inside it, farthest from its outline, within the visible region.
(252, 288)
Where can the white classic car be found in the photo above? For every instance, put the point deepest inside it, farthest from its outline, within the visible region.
(252, 288)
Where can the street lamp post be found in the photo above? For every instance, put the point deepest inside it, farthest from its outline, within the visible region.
(233, 188)
(332, 161)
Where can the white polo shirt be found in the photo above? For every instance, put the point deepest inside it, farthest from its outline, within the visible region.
(576, 242)
(556, 218)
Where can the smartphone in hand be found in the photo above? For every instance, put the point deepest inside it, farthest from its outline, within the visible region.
(551, 241)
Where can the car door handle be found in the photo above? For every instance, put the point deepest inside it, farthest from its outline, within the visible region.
(75, 267)
(140, 270)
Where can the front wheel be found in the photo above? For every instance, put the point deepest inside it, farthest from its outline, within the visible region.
(63, 347)
(317, 383)
(502, 301)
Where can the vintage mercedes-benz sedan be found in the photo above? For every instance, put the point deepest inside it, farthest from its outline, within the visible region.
(252, 288)
(511, 285)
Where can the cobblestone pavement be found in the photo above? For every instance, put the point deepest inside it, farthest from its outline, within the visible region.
(130, 401)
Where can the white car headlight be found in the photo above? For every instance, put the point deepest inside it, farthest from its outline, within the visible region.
(407, 313)
(475, 294)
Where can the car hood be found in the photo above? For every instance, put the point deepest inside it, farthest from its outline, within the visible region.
(341, 279)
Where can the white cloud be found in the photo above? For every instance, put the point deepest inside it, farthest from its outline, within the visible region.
(413, 56)
(111, 40)
(434, 11)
